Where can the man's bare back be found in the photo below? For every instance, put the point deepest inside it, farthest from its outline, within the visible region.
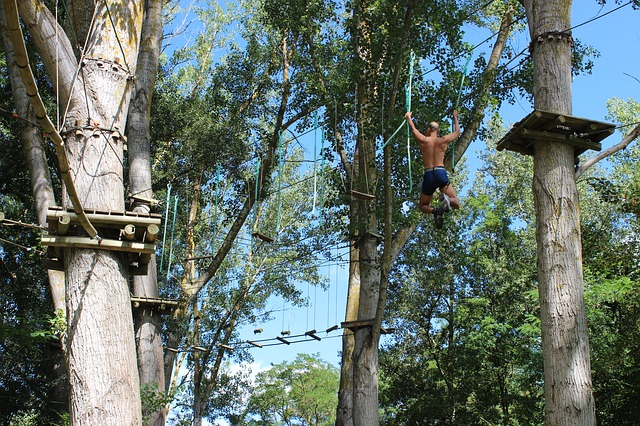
(433, 148)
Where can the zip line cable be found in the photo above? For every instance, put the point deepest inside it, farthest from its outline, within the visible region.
(595, 18)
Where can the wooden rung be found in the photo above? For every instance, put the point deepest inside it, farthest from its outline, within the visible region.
(171, 350)
(146, 200)
(283, 340)
(263, 237)
(285, 332)
(227, 347)
(188, 259)
(257, 345)
(199, 348)
(333, 328)
(362, 195)
(312, 333)
(164, 306)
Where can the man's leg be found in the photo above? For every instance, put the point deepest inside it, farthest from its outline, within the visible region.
(451, 193)
(425, 200)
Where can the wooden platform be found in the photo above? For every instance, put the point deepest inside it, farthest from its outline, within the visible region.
(581, 133)
(263, 237)
(353, 325)
(164, 306)
(132, 232)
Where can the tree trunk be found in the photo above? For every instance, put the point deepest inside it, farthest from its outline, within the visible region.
(33, 146)
(344, 414)
(101, 351)
(567, 372)
(147, 323)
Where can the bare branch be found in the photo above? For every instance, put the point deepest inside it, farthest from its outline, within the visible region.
(633, 135)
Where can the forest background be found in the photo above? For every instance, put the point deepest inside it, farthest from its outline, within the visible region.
(488, 296)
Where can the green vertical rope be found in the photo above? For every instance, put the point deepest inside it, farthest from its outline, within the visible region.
(407, 94)
(166, 221)
(464, 74)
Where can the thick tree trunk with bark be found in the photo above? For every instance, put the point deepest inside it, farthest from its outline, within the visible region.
(344, 413)
(34, 149)
(147, 322)
(565, 346)
(100, 349)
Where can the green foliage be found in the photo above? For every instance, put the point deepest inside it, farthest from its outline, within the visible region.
(152, 400)
(302, 392)
(467, 345)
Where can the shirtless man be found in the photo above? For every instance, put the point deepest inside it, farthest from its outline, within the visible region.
(433, 148)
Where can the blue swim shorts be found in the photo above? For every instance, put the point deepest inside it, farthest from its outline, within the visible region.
(434, 178)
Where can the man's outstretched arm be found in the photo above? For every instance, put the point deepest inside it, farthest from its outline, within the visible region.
(414, 131)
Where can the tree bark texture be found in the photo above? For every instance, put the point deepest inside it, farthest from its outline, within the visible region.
(567, 372)
(147, 322)
(100, 349)
(33, 146)
(364, 227)
(344, 413)
(34, 149)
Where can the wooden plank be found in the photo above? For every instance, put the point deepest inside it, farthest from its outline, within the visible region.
(557, 137)
(332, 328)
(109, 218)
(155, 301)
(581, 133)
(312, 334)
(55, 265)
(257, 345)
(104, 244)
(283, 340)
(356, 324)
(362, 195)
(263, 237)
(141, 269)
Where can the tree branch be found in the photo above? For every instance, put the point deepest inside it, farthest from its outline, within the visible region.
(633, 135)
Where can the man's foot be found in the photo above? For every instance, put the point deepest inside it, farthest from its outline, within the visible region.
(446, 203)
(438, 216)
